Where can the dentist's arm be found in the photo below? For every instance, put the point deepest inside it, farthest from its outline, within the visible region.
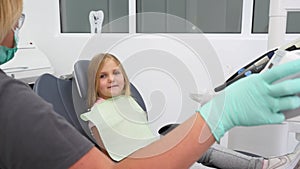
(178, 149)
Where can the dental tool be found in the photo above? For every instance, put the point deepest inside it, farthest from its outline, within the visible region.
(266, 61)
(282, 52)
(254, 67)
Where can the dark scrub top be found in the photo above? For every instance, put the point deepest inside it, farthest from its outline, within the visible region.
(32, 135)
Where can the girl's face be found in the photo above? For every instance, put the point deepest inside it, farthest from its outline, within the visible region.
(110, 80)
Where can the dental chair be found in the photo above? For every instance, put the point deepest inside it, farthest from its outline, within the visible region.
(68, 96)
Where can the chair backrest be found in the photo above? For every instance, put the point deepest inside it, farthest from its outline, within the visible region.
(81, 83)
(58, 92)
(79, 92)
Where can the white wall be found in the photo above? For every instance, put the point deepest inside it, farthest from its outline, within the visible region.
(162, 85)
(42, 27)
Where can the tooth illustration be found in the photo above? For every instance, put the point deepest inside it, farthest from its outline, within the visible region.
(96, 19)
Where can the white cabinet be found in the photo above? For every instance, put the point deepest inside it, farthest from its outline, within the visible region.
(28, 63)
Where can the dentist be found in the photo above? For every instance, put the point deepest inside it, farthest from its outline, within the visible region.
(33, 136)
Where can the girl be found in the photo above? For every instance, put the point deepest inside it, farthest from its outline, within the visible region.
(109, 86)
(106, 78)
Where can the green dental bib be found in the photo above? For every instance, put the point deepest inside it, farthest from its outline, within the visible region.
(122, 125)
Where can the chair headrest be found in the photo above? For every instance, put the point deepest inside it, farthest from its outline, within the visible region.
(80, 75)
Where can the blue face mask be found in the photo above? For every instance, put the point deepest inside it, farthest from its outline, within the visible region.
(6, 53)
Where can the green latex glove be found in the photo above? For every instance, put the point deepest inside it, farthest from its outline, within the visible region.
(254, 100)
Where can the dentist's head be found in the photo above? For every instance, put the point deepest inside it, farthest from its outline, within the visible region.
(11, 20)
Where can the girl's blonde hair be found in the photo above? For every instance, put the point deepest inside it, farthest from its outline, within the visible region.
(96, 64)
(10, 12)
